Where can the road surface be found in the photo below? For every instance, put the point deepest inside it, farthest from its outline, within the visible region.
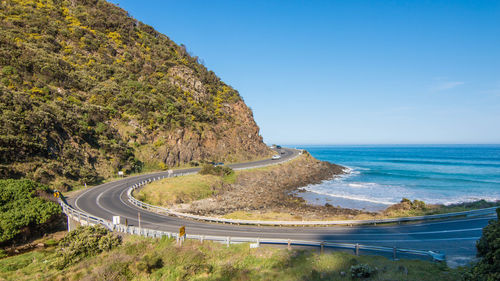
(456, 238)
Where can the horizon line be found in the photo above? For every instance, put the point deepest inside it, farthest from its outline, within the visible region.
(386, 144)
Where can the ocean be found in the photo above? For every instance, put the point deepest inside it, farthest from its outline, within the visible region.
(378, 176)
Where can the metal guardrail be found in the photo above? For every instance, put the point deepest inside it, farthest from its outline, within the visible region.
(272, 164)
(166, 211)
(87, 219)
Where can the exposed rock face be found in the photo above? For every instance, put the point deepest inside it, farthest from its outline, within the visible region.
(222, 142)
(86, 91)
(183, 77)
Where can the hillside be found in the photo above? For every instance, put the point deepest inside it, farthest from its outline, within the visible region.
(86, 90)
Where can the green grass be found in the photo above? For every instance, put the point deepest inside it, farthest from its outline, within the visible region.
(161, 259)
(189, 188)
(180, 189)
(27, 266)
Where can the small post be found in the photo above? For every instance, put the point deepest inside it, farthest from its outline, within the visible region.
(228, 241)
(139, 217)
(258, 242)
(322, 246)
(69, 224)
(289, 244)
(357, 249)
(394, 253)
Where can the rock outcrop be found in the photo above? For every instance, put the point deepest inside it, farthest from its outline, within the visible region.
(86, 91)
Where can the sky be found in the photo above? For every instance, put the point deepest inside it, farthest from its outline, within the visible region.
(349, 72)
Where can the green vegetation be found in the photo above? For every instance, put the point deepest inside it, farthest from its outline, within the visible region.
(407, 208)
(187, 188)
(488, 248)
(85, 90)
(216, 170)
(265, 216)
(25, 209)
(161, 259)
(180, 189)
(84, 242)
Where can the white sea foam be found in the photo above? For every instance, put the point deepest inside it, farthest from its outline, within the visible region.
(361, 184)
(435, 175)
(382, 194)
(351, 197)
(389, 194)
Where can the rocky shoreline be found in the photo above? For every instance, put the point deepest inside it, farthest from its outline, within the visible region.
(273, 190)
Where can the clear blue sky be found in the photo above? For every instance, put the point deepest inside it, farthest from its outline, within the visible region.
(349, 72)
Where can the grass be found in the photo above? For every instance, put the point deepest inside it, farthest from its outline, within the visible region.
(195, 187)
(185, 189)
(431, 210)
(180, 189)
(152, 167)
(161, 259)
(27, 266)
(147, 169)
(266, 216)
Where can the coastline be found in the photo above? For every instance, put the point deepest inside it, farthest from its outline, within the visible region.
(280, 193)
(437, 175)
(273, 190)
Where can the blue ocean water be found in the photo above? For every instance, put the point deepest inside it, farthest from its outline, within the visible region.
(382, 175)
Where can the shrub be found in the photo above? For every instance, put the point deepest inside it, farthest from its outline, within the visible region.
(362, 271)
(149, 263)
(488, 248)
(208, 169)
(20, 207)
(86, 74)
(419, 205)
(84, 242)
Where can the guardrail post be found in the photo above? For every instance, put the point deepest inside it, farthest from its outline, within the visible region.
(289, 244)
(258, 242)
(322, 244)
(202, 238)
(69, 224)
(357, 249)
(228, 241)
(394, 250)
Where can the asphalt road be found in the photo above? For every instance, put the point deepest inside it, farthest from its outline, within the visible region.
(456, 238)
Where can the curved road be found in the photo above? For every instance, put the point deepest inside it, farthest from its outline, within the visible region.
(456, 238)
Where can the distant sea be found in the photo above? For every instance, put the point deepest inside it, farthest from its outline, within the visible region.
(378, 176)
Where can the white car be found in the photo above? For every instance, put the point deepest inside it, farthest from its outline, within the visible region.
(276, 157)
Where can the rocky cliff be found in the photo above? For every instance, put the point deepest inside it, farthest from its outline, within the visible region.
(86, 90)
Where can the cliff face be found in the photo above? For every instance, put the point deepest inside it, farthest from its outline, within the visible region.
(87, 90)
